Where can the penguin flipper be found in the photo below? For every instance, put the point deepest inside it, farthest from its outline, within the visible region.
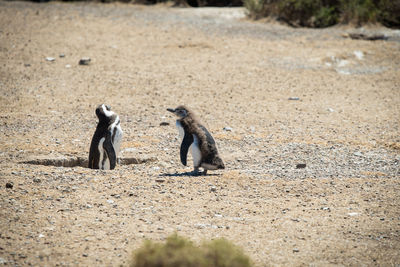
(186, 143)
(109, 148)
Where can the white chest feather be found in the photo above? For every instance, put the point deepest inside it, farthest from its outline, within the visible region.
(104, 163)
(196, 153)
(116, 133)
(194, 147)
(180, 129)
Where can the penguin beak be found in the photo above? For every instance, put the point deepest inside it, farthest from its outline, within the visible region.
(171, 110)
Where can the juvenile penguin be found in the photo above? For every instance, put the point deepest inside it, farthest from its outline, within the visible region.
(106, 140)
(196, 138)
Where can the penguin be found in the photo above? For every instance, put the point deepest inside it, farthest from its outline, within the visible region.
(195, 137)
(106, 140)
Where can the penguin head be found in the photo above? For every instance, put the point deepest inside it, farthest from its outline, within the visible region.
(180, 111)
(104, 113)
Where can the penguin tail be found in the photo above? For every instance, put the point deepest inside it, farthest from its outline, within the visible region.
(219, 163)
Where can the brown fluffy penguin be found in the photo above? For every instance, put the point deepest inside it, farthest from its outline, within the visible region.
(196, 138)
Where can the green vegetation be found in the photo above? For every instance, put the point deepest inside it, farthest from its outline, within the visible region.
(324, 13)
(180, 252)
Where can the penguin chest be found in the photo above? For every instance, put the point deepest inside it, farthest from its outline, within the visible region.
(195, 151)
(116, 133)
(104, 161)
(194, 147)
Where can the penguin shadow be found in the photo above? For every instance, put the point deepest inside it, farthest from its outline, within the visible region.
(190, 174)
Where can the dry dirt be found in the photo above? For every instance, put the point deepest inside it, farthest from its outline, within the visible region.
(342, 209)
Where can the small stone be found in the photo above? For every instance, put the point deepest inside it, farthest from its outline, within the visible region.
(2, 261)
(160, 228)
(160, 180)
(228, 129)
(68, 66)
(213, 189)
(351, 214)
(295, 250)
(110, 201)
(36, 180)
(41, 235)
(84, 61)
(300, 166)
(61, 55)
(359, 54)
(294, 98)
(331, 110)
(27, 65)
(85, 255)
(164, 123)
(9, 185)
(50, 59)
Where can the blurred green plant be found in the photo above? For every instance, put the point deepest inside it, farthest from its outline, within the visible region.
(181, 252)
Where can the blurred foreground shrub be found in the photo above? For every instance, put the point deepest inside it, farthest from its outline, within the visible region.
(181, 252)
(324, 13)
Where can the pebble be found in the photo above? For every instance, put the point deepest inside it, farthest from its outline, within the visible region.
(294, 98)
(9, 185)
(213, 189)
(300, 166)
(160, 180)
(27, 65)
(228, 129)
(352, 214)
(296, 250)
(2, 261)
(358, 154)
(84, 61)
(359, 54)
(36, 180)
(164, 123)
(62, 55)
(331, 110)
(110, 201)
(50, 59)
(68, 66)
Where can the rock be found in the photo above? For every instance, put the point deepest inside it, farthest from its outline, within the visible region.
(228, 129)
(300, 166)
(27, 65)
(9, 185)
(3, 261)
(160, 180)
(331, 110)
(358, 154)
(36, 180)
(50, 59)
(41, 235)
(296, 250)
(164, 123)
(110, 201)
(351, 214)
(213, 189)
(85, 255)
(84, 61)
(68, 66)
(294, 98)
(61, 55)
(359, 54)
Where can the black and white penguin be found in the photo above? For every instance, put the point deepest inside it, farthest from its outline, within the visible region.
(106, 140)
(196, 138)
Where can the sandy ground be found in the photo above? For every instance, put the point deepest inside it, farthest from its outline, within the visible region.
(342, 209)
